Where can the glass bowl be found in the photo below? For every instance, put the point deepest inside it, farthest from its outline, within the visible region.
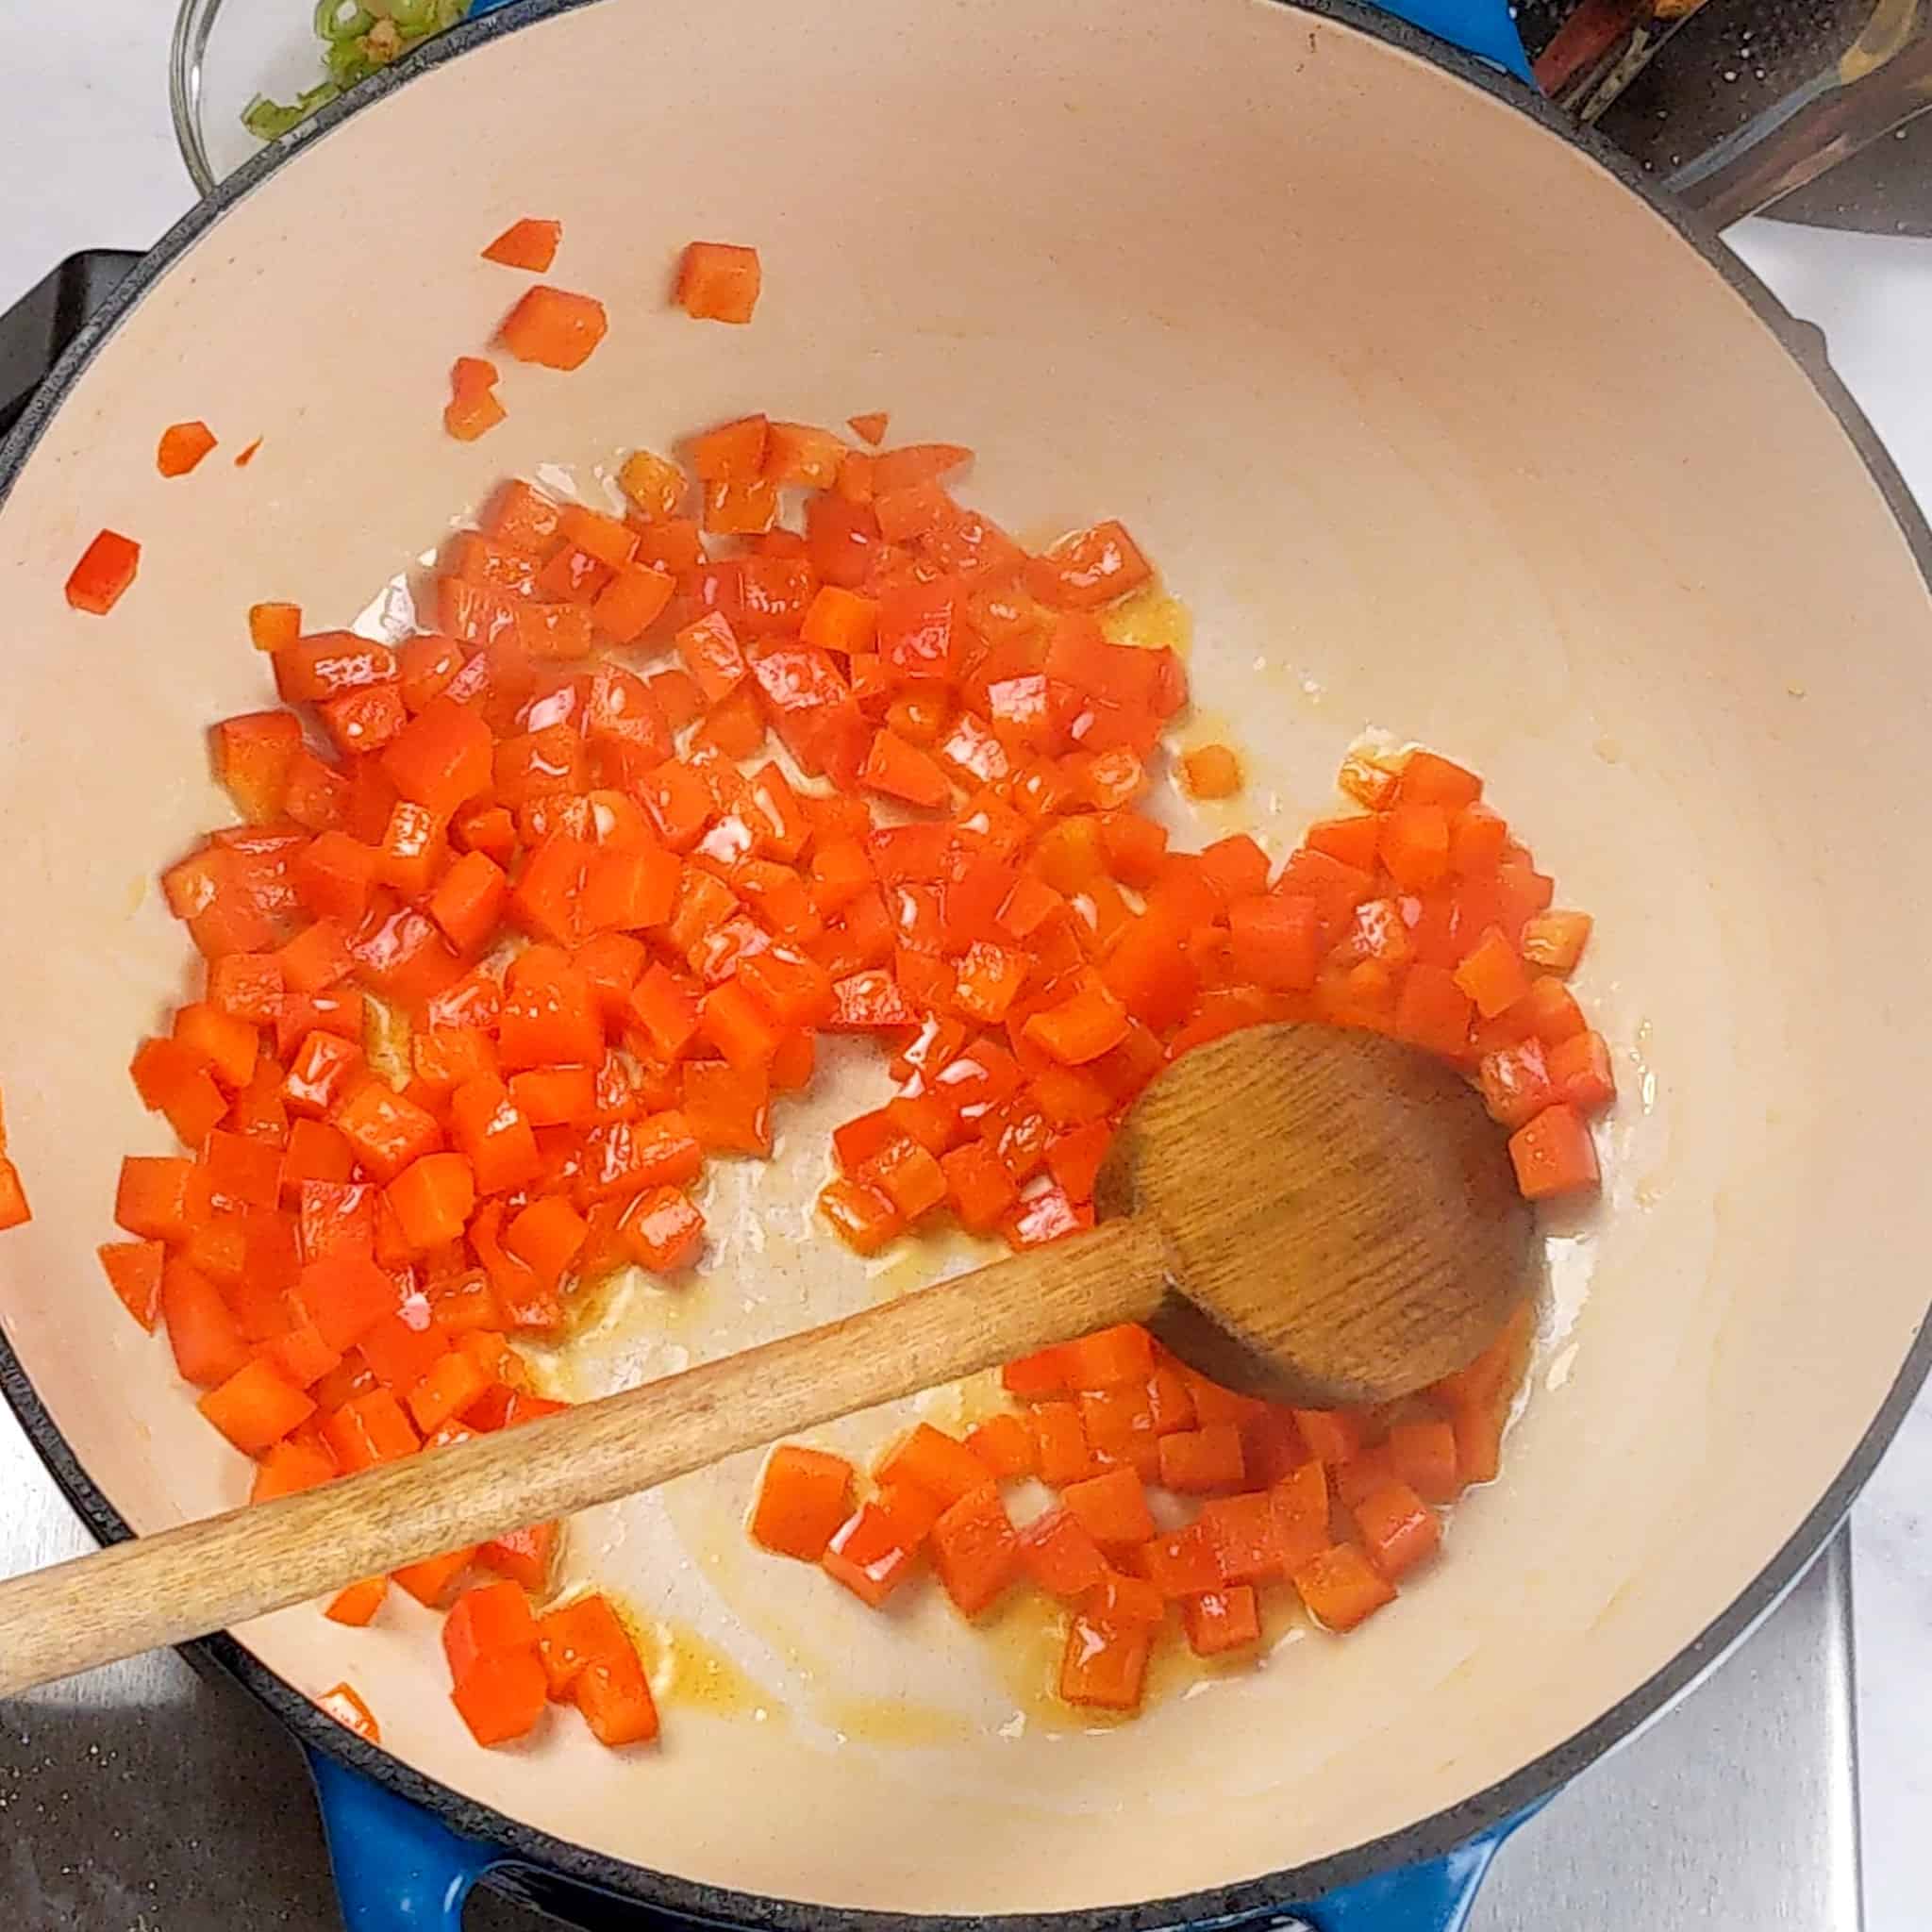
(228, 54)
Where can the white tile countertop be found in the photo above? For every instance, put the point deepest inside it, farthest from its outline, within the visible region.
(88, 161)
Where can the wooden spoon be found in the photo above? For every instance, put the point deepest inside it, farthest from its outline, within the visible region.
(1325, 1216)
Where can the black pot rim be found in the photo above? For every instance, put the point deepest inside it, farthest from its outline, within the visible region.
(1429, 1838)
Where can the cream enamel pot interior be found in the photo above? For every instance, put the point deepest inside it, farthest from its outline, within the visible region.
(1435, 425)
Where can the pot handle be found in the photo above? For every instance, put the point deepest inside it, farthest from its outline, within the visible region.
(1435, 1897)
(1482, 27)
(397, 1868)
(1432, 1897)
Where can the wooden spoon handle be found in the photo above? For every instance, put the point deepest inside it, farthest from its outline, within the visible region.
(221, 1571)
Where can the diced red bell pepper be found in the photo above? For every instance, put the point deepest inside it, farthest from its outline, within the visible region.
(1104, 1665)
(1341, 1587)
(105, 569)
(804, 1496)
(502, 1695)
(528, 244)
(975, 1551)
(1111, 1507)
(872, 1553)
(1553, 1153)
(554, 327)
(665, 1229)
(719, 281)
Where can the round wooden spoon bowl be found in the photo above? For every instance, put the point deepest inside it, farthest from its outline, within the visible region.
(1342, 1222)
